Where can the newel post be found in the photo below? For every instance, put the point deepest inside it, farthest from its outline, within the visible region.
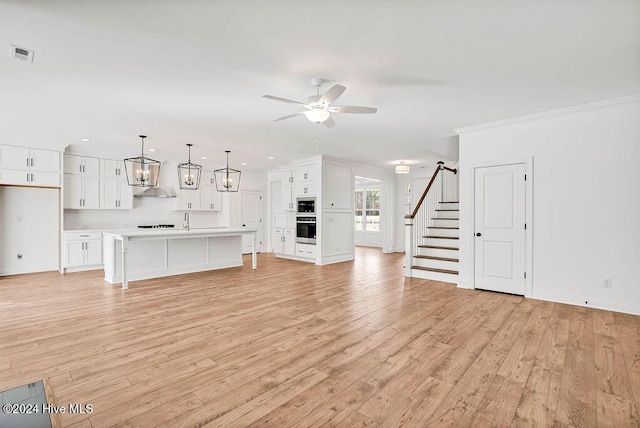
(408, 244)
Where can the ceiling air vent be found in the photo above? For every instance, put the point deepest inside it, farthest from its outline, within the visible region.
(21, 53)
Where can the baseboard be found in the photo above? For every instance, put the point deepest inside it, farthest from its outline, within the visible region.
(465, 285)
(587, 302)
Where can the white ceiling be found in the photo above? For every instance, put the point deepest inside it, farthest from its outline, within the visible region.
(195, 72)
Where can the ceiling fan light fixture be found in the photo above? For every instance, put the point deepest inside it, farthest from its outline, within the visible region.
(403, 168)
(317, 114)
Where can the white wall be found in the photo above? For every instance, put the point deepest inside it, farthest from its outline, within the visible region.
(586, 199)
(29, 225)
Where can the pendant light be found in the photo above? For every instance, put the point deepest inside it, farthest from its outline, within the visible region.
(189, 174)
(227, 179)
(142, 171)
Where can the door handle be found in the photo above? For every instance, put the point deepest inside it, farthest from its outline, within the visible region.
(478, 234)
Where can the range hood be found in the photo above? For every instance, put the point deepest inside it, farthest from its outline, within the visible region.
(154, 192)
(168, 175)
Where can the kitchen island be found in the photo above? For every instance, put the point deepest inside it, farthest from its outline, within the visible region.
(131, 255)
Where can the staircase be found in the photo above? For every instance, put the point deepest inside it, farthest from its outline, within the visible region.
(437, 251)
(432, 229)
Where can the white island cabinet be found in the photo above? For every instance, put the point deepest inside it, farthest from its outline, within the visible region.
(131, 255)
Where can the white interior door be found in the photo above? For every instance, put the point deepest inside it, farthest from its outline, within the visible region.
(251, 216)
(500, 228)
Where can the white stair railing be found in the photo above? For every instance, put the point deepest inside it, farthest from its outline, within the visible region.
(418, 221)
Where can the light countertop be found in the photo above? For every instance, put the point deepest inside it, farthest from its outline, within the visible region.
(160, 232)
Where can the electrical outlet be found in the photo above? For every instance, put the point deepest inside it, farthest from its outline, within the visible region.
(606, 283)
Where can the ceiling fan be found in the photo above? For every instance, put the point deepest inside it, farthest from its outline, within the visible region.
(318, 108)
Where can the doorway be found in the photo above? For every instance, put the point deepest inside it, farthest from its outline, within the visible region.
(251, 218)
(500, 217)
(368, 195)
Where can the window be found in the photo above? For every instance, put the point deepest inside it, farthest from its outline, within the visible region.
(367, 210)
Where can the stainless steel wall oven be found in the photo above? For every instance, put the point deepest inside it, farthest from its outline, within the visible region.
(306, 230)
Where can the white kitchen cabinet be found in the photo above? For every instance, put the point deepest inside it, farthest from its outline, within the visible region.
(288, 176)
(112, 168)
(26, 178)
(284, 241)
(307, 188)
(15, 157)
(44, 160)
(83, 165)
(210, 198)
(81, 192)
(189, 200)
(83, 251)
(23, 166)
(337, 187)
(306, 250)
(115, 194)
(288, 198)
(306, 173)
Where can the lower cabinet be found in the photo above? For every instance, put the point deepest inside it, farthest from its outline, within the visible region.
(306, 250)
(284, 241)
(82, 251)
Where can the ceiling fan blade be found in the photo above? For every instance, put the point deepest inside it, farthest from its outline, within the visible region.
(332, 94)
(284, 100)
(353, 109)
(329, 123)
(289, 116)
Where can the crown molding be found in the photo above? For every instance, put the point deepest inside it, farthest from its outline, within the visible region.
(551, 113)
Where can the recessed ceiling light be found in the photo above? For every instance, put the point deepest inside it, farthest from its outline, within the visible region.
(204, 157)
(86, 140)
(271, 157)
(243, 163)
(152, 150)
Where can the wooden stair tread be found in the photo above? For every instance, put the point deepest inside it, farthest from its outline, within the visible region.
(444, 259)
(442, 227)
(450, 272)
(441, 237)
(438, 247)
(450, 202)
(448, 210)
(444, 218)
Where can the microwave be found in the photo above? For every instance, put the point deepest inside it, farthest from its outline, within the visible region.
(306, 206)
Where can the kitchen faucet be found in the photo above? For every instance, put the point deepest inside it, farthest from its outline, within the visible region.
(186, 221)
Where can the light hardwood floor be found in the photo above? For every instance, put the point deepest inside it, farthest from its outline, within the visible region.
(294, 344)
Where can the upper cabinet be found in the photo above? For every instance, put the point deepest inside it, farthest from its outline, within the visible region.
(305, 173)
(288, 176)
(14, 157)
(115, 194)
(112, 168)
(26, 166)
(210, 198)
(81, 192)
(81, 165)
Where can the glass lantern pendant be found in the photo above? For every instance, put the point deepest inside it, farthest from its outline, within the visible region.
(227, 179)
(189, 174)
(142, 171)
